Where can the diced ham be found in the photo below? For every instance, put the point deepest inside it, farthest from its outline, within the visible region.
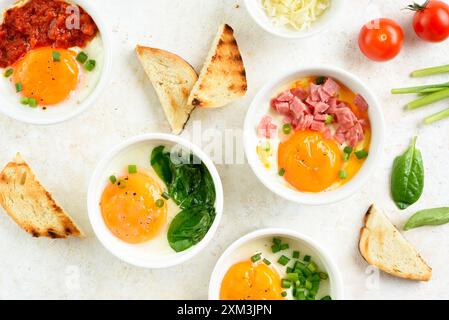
(317, 126)
(360, 102)
(285, 96)
(300, 93)
(324, 95)
(331, 87)
(321, 107)
(315, 92)
(298, 108)
(321, 117)
(283, 108)
(266, 128)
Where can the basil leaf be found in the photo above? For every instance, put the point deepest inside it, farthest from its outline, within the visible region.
(189, 227)
(429, 217)
(161, 163)
(407, 180)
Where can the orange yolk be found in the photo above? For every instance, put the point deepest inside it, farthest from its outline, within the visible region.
(129, 208)
(247, 281)
(311, 163)
(49, 82)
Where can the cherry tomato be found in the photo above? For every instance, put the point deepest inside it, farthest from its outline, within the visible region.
(431, 21)
(381, 39)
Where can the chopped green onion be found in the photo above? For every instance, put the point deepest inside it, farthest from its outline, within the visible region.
(165, 195)
(437, 117)
(19, 87)
(329, 119)
(132, 168)
(32, 102)
(160, 203)
(277, 241)
(286, 284)
(283, 260)
(323, 276)
(348, 150)
(24, 100)
(289, 270)
(285, 246)
(281, 172)
(312, 267)
(275, 248)
(295, 254)
(121, 184)
(8, 72)
(256, 257)
(428, 99)
(430, 71)
(56, 55)
(267, 262)
(284, 294)
(82, 57)
(362, 154)
(320, 80)
(307, 258)
(301, 295)
(287, 128)
(326, 298)
(342, 174)
(308, 285)
(90, 65)
(113, 179)
(293, 277)
(267, 146)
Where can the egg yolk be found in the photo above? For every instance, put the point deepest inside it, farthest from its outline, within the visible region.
(311, 163)
(248, 281)
(130, 211)
(45, 79)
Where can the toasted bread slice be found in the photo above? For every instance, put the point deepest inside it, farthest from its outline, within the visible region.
(31, 206)
(382, 245)
(173, 79)
(223, 77)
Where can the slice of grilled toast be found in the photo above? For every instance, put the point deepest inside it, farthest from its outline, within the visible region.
(31, 206)
(223, 77)
(173, 79)
(382, 245)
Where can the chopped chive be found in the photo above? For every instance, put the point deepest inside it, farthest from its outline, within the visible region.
(293, 277)
(275, 248)
(283, 260)
(113, 179)
(295, 254)
(267, 262)
(323, 276)
(329, 119)
(256, 257)
(307, 258)
(289, 270)
(320, 80)
(56, 55)
(284, 294)
(19, 87)
(312, 267)
(342, 174)
(132, 168)
(286, 284)
(316, 277)
(301, 295)
(121, 184)
(160, 203)
(90, 65)
(165, 195)
(282, 172)
(277, 241)
(362, 154)
(82, 57)
(8, 72)
(308, 285)
(326, 298)
(32, 102)
(24, 100)
(285, 246)
(287, 129)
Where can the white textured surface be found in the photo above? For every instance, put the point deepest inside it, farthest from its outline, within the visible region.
(64, 157)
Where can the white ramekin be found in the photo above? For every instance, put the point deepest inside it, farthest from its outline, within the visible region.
(261, 105)
(319, 254)
(256, 11)
(131, 253)
(21, 113)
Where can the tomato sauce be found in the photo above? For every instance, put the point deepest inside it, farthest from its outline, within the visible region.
(42, 23)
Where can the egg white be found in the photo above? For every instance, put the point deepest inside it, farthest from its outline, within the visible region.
(263, 245)
(87, 81)
(140, 155)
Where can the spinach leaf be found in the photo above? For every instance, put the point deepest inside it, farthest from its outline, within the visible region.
(429, 217)
(161, 163)
(189, 227)
(407, 180)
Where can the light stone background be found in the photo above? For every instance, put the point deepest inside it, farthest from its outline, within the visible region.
(64, 156)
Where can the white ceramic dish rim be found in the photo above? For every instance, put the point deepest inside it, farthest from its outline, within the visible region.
(10, 109)
(322, 198)
(259, 16)
(100, 228)
(336, 285)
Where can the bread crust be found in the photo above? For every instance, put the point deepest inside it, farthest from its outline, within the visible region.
(24, 199)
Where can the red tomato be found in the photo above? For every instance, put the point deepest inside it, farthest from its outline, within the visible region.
(381, 39)
(431, 21)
